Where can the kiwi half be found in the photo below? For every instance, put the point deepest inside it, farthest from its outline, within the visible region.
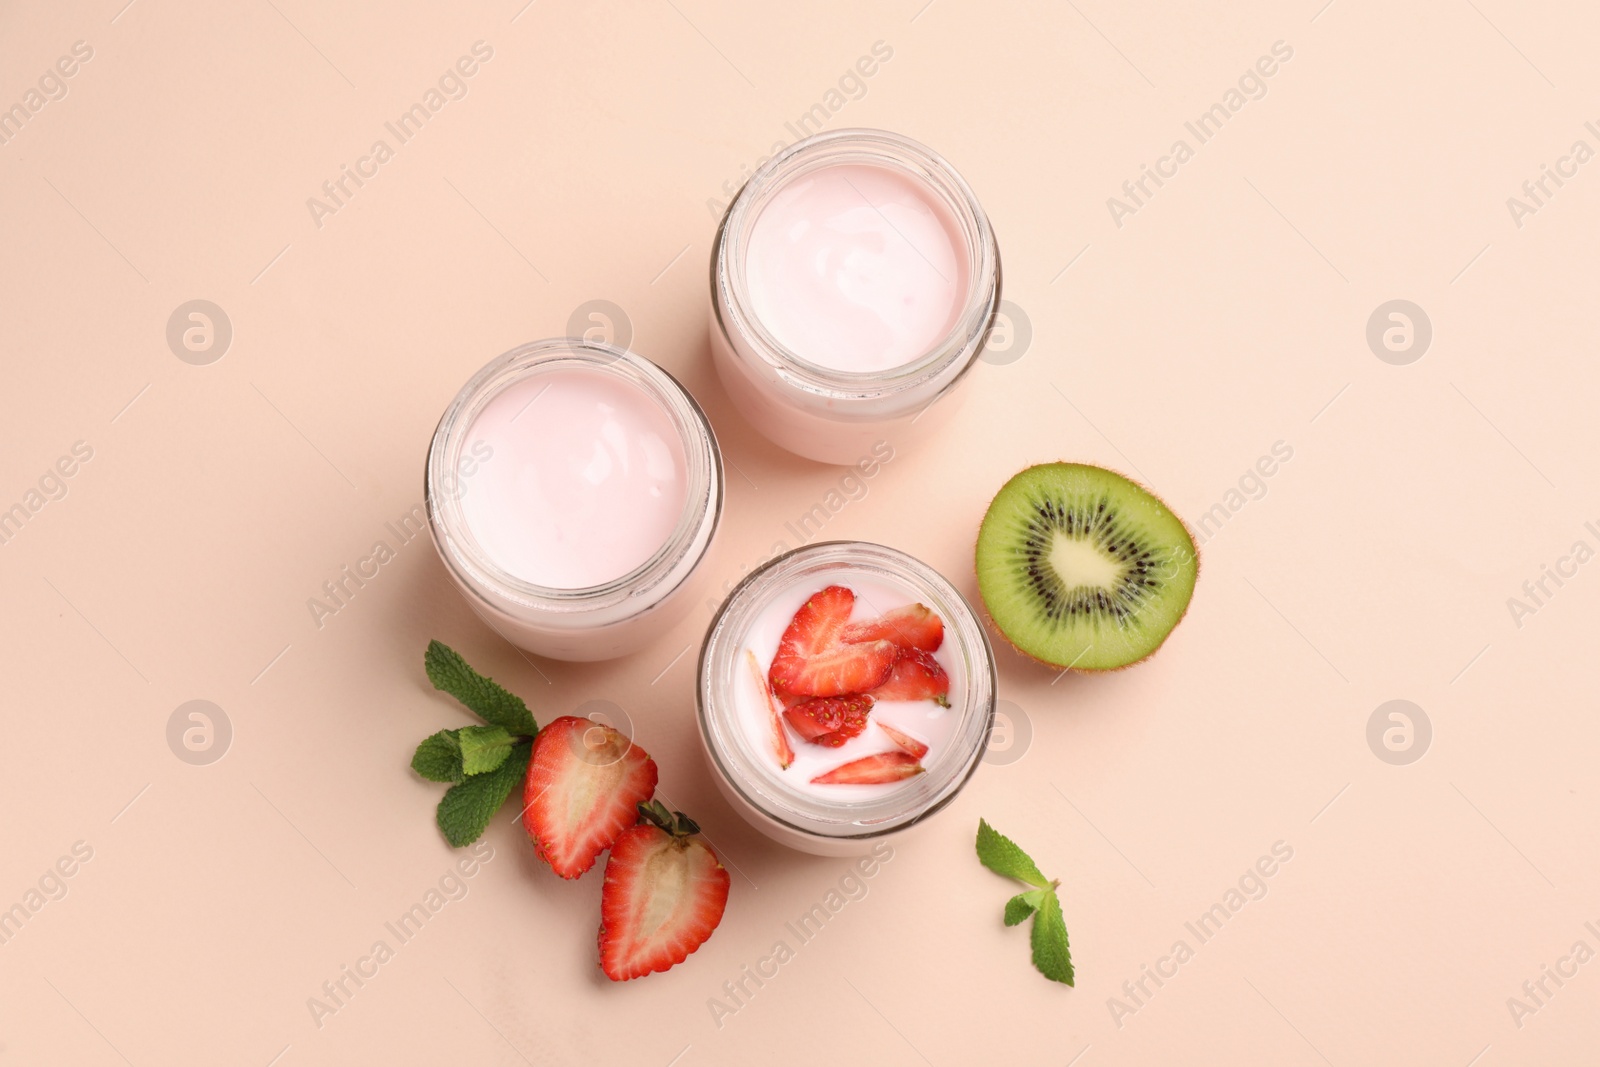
(1083, 568)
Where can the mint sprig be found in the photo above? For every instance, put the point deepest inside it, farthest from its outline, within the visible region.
(1052, 954)
(438, 758)
(483, 764)
(483, 748)
(1019, 907)
(466, 808)
(484, 697)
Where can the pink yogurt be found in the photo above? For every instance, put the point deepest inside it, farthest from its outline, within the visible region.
(573, 490)
(587, 481)
(856, 268)
(853, 282)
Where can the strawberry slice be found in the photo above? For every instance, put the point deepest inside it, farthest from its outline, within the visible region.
(584, 783)
(816, 626)
(811, 661)
(842, 670)
(780, 740)
(830, 721)
(912, 626)
(916, 676)
(872, 770)
(908, 744)
(788, 699)
(664, 894)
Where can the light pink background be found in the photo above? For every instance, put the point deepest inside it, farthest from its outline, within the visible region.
(1227, 314)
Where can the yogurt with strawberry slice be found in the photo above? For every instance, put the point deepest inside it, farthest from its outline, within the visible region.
(846, 691)
(924, 720)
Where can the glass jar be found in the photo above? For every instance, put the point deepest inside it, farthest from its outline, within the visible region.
(838, 821)
(826, 412)
(577, 619)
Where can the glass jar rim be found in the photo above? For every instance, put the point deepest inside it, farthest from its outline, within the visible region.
(875, 148)
(730, 751)
(459, 548)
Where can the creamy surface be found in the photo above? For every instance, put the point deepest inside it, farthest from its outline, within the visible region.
(922, 719)
(588, 479)
(856, 268)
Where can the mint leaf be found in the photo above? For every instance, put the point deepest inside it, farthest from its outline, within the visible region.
(1051, 953)
(483, 748)
(1023, 905)
(483, 696)
(466, 808)
(438, 758)
(1002, 855)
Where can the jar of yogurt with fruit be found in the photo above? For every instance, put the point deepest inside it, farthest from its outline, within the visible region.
(845, 693)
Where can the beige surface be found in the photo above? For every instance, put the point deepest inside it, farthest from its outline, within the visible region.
(1227, 314)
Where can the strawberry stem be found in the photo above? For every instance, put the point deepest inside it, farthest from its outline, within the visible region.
(675, 823)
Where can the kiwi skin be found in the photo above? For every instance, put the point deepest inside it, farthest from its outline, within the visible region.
(1188, 531)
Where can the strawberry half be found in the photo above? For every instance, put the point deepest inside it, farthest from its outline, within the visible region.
(811, 660)
(872, 770)
(781, 750)
(584, 783)
(908, 744)
(664, 894)
(916, 676)
(830, 721)
(912, 626)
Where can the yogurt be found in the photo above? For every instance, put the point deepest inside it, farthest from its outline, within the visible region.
(573, 490)
(925, 720)
(587, 482)
(854, 280)
(856, 268)
(736, 723)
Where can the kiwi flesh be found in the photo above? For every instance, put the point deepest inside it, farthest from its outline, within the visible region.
(1080, 567)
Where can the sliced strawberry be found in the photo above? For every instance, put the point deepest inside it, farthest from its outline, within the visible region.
(908, 744)
(584, 784)
(841, 670)
(788, 699)
(912, 626)
(811, 661)
(816, 626)
(780, 740)
(916, 676)
(664, 894)
(872, 770)
(830, 721)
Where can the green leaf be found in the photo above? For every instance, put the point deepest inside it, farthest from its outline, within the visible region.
(483, 696)
(466, 808)
(1023, 905)
(1051, 953)
(438, 758)
(483, 748)
(1001, 855)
